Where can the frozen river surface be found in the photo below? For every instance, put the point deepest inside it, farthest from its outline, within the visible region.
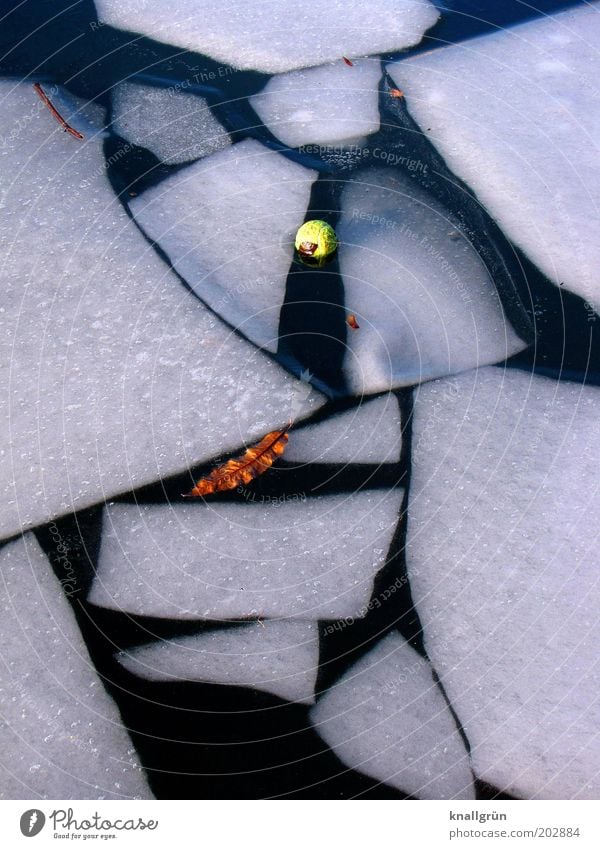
(405, 605)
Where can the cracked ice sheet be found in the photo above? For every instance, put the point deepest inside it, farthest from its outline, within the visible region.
(62, 735)
(424, 300)
(277, 35)
(333, 103)
(312, 558)
(387, 718)
(228, 225)
(176, 126)
(516, 114)
(111, 374)
(502, 556)
(279, 657)
(368, 433)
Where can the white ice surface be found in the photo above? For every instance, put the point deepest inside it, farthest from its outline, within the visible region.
(503, 561)
(325, 105)
(111, 373)
(306, 559)
(228, 225)
(516, 114)
(62, 735)
(387, 718)
(368, 433)
(424, 300)
(279, 657)
(275, 35)
(175, 125)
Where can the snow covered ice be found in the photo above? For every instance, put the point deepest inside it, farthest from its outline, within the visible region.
(228, 225)
(424, 300)
(303, 558)
(325, 105)
(503, 564)
(350, 437)
(175, 125)
(516, 114)
(387, 717)
(407, 603)
(276, 656)
(112, 374)
(62, 735)
(281, 36)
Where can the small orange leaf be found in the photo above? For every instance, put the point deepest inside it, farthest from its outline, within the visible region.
(254, 462)
(396, 92)
(348, 62)
(352, 322)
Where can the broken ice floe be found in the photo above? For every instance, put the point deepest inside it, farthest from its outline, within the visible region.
(425, 302)
(300, 557)
(502, 559)
(175, 125)
(322, 106)
(279, 35)
(276, 656)
(62, 735)
(112, 374)
(387, 718)
(516, 114)
(228, 225)
(368, 433)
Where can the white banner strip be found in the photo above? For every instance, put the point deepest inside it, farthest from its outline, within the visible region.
(298, 824)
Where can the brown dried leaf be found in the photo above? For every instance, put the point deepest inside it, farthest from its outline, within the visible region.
(254, 462)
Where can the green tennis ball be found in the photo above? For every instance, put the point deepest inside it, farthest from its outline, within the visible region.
(316, 241)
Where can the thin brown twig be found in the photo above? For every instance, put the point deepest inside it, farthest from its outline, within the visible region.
(47, 102)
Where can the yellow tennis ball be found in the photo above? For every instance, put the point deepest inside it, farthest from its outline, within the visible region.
(316, 240)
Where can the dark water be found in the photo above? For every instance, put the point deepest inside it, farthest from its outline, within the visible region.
(251, 744)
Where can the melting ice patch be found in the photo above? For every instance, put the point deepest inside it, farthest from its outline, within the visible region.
(325, 105)
(175, 125)
(502, 556)
(276, 656)
(425, 302)
(228, 225)
(277, 35)
(111, 374)
(516, 114)
(62, 735)
(387, 718)
(300, 558)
